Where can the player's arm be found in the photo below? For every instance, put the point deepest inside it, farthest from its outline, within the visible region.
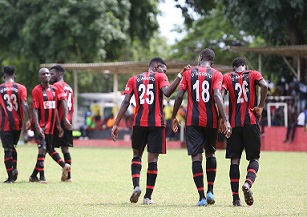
(169, 90)
(38, 129)
(122, 110)
(67, 124)
(26, 112)
(224, 126)
(177, 104)
(263, 94)
(58, 124)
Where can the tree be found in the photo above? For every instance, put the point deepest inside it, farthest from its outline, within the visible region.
(34, 32)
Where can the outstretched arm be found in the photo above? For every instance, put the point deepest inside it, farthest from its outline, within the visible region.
(169, 90)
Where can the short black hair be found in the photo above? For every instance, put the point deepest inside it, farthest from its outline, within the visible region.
(207, 54)
(9, 70)
(239, 61)
(58, 68)
(156, 60)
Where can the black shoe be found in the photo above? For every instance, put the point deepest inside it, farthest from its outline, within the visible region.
(15, 174)
(42, 180)
(237, 203)
(33, 179)
(9, 181)
(248, 194)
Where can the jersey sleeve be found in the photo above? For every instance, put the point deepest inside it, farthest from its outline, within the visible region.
(61, 95)
(129, 86)
(225, 82)
(218, 79)
(35, 98)
(163, 80)
(257, 75)
(23, 93)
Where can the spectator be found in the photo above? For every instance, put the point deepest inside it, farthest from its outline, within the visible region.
(292, 121)
(302, 86)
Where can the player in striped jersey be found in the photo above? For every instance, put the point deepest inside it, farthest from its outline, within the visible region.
(148, 126)
(244, 117)
(203, 84)
(13, 104)
(66, 111)
(45, 99)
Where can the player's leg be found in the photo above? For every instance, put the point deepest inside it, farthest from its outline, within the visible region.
(16, 136)
(210, 148)
(156, 145)
(234, 151)
(138, 139)
(152, 173)
(198, 177)
(67, 142)
(39, 166)
(8, 162)
(56, 156)
(195, 147)
(252, 149)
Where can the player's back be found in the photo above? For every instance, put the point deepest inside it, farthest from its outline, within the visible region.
(12, 94)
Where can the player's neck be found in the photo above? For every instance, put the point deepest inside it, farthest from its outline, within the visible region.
(9, 80)
(205, 64)
(45, 85)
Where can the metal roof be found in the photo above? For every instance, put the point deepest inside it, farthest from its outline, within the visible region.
(130, 67)
(290, 50)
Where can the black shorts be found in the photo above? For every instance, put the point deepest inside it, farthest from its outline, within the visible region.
(44, 143)
(246, 137)
(200, 138)
(65, 141)
(10, 138)
(154, 137)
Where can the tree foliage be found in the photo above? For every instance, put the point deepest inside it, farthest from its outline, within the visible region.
(35, 32)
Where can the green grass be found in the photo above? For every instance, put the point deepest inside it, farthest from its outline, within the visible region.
(102, 186)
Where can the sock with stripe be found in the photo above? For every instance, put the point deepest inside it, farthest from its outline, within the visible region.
(39, 167)
(234, 175)
(8, 161)
(136, 166)
(14, 155)
(67, 159)
(252, 170)
(152, 173)
(56, 157)
(198, 177)
(211, 172)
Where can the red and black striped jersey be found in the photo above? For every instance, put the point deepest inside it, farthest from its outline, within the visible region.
(46, 101)
(241, 87)
(65, 89)
(200, 83)
(147, 89)
(12, 95)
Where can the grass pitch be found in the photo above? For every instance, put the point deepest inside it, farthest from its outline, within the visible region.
(102, 186)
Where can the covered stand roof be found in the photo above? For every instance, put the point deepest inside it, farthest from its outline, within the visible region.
(130, 67)
(298, 51)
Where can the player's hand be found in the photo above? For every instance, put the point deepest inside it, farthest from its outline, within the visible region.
(257, 111)
(175, 125)
(40, 132)
(187, 67)
(28, 125)
(221, 127)
(114, 133)
(61, 132)
(228, 130)
(67, 124)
